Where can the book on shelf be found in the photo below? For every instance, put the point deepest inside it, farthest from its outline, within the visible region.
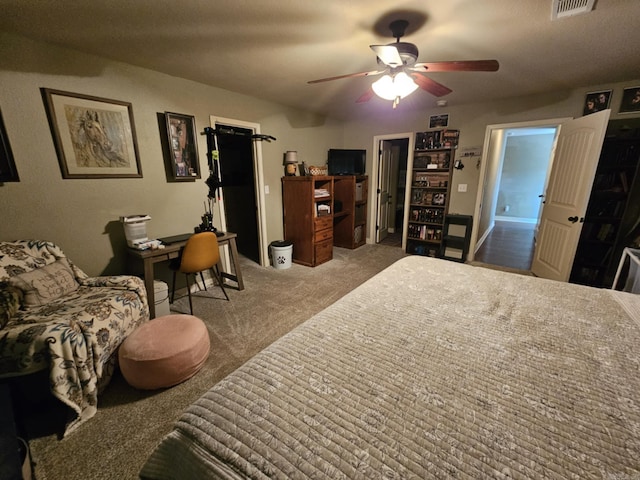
(436, 139)
(450, 138)
(605, 231)
(624, 182)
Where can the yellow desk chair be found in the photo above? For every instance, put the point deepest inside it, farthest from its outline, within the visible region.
(200, 253)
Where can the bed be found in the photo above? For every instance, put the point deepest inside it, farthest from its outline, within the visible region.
(431, 369)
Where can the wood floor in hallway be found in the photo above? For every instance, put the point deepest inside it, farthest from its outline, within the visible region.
(392, 239)
(510, 244)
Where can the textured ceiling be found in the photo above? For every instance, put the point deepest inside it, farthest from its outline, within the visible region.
(271, 48)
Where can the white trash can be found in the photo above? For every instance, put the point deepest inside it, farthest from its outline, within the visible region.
(161, 291)
(281, 253)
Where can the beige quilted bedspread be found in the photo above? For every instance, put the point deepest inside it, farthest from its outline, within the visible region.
(431, 369)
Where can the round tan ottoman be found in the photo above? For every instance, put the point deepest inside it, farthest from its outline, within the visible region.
(164, 351)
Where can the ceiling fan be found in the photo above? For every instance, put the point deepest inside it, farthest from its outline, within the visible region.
(402, 75)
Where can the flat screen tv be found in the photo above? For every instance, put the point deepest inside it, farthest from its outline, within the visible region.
(346, 161)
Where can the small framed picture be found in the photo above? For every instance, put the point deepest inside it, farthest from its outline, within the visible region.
(438, 199)
(596, 102)
(182, 148)
(630, 100)
(439, 121)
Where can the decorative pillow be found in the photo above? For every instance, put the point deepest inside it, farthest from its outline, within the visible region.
(46, 284)
(10, 302)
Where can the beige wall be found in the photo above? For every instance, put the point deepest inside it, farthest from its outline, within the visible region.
(472, 121)
(82, 215)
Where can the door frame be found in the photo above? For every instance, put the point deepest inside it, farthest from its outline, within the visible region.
(373, 191)
(384, 167)
(488, 147)
(258, 174)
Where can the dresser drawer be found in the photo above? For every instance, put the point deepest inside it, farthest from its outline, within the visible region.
(323, 235)
(322, 223)
(323, 251)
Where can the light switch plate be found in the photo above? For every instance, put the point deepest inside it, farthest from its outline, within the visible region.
(462, 187)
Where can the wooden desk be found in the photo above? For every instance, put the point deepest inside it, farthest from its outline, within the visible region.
(150, 257)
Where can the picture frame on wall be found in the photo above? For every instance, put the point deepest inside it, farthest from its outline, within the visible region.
(439, 121)
(8, 171)
(596, 102)
(181, 147)
(630, 102)
(94, 137)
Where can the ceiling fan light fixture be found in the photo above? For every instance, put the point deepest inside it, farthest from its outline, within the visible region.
(392, 87)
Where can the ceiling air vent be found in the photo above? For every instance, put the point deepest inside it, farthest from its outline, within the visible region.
(566, 8)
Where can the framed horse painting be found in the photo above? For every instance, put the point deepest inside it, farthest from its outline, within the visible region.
(94, 137)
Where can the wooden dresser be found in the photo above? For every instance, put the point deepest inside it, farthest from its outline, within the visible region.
(308, 218)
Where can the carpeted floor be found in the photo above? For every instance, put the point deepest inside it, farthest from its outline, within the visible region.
(129, 423)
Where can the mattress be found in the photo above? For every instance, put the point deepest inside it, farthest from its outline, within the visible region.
(431, 369)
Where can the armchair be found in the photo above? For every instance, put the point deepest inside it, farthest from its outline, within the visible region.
(53, 316)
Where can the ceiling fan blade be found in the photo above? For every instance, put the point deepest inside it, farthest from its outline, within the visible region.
(366, 96)
(388, 54)
(431, 86)
(461, 66)
(349, 75)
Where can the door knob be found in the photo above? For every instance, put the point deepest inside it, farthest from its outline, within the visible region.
(573, 219)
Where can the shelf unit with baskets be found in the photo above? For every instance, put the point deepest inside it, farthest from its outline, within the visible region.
(350, 214)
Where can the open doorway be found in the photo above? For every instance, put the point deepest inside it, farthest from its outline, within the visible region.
(242, 200)
(517, 173)
(572, 169)
(235, 148)
(390, 171)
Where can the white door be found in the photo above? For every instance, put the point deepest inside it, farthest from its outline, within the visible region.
(565, 202)
(384, 179)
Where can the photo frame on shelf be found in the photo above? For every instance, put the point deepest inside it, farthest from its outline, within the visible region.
(181, 147)
(94, 137)
(8, 171)
(438, 199)
(630, 102)
(439, 121)
(596, 102)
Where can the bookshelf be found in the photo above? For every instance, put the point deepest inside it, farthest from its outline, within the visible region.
(431, 176)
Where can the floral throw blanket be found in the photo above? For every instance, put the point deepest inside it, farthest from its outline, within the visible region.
(65, 322)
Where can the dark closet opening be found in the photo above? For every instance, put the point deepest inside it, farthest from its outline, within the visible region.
(235, 147)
